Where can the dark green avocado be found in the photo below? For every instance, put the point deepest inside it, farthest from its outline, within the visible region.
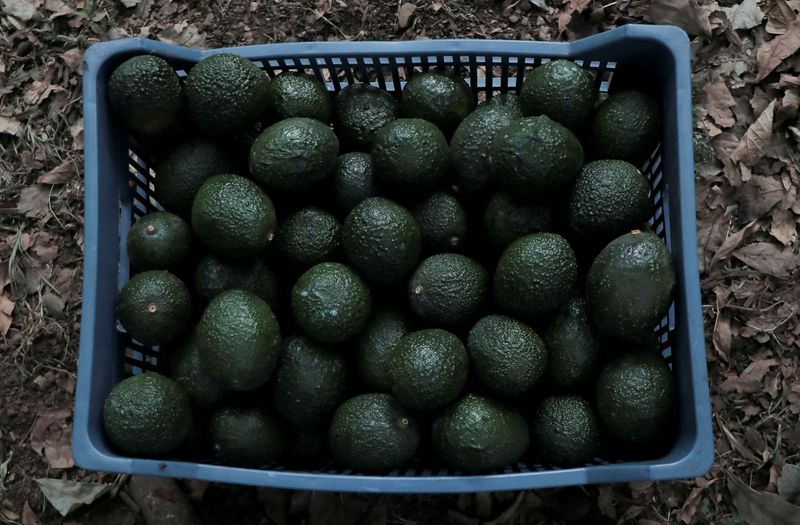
(247, 436)
(438, 97)
(627, 126)
(565, 432)
(353, 180)
(214, 275)
(507, 219)
(155, 307)
(563, 91)
(442, 221)
(159, 241)
(360, 110)
(375, 346)
(292, 94)
(573, 350)
(307, 237)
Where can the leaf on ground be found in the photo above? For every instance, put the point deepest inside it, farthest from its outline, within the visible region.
(762, 507)
(759, 195)
(779, 16)
(751, 378)
(28, 516)
(784, 227)
(734, 241)
(719, 101)
(541, 4)
(58, 8)
(183, 34)
(753, 144)
(789, 483)
(62, 173)
(722, 336)
(569, 10)
(6, 309)
(685, 14)
(10, 126)
(772, 53)
(404, 15)
(66, 496)
(746, 15)
(34, 201)
(769, 258)
(51, 434)
(605, 502)
(23, 10)
(689, 508)
(130, 3)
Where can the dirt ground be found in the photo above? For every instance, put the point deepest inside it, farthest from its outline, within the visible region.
(746, 93)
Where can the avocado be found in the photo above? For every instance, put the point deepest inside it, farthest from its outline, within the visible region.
(214, 275)
(159, 241)
(307, 237)
(535, 157)
(239, 340)
(375, 346)
(469, 147)
(145, 94)
(442, 222)
(535, 275)
(147, 415)
(360, 110)
(247, 436)
(184, 169)
(609, 198)
(155, 307)
(382, 240)
(202, 388)
(330, 302)
(573, 350)
(309, 382)
(428, 369)
(225, 94)
(294, 154)
(507, 356)
(627, 126)
(448, 289)
(636, 396)
(353, 180)
(411, 156)
(507, 100)
(233, 217)
(438, 97)
(506, 219)
(480, 434)
(563, 91)
(565, 432)
(292, 94)
(373, 433)
(629, 286)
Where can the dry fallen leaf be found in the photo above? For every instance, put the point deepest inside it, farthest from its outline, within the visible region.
(689, 508)
(772, 53)
(58, 175)
(719, 102)
(183, 35)
(685, 14)
(34, 201)
(605, 502)
(779, 16)
(10, 126)
(733, 242)
(745, 15)
(51, 434)
(753, 144)
(568, 11)
(784, 227)
(66, 496)
(769, 258)
(759, 195)
(762, 507)
(28, 516)
(789, 483)
(130, 3)
(6, 309)
(404, 15)
(23, 10)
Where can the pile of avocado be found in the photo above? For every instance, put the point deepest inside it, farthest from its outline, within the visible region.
(381, 278)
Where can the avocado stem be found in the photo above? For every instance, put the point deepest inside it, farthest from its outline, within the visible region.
(152, 308)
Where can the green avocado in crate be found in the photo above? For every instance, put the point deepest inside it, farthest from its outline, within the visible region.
(556, 341)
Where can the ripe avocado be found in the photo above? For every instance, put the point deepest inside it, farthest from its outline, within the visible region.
(204, 390)
(360, 110)
(438, 97)
(225, 94)
(382, 240)
(507, 219)
(535, 156)
(629, 287)
(214, 275)
(159, 241)
(535, 275)
(309, 382)
(573, 350)
(429, 369)
(184, 169)
(373, 433)
(448, 289)
(507, 356)
(627, 126)
(469, 147)
(307, 237)
(247, 436)
(374, 348)
(155, 307)
(294, 154)
(145, 93)
(479, 434)
(330, 302)
(147, 415)
(565, 432)
(411, 156)
(233, 217)
(442, 222)
(636, 397)
(292, 94)
(563, 91)
(239, 340)
(609, 197)
(353, 180)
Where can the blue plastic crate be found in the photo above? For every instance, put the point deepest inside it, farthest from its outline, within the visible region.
(119, 186)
